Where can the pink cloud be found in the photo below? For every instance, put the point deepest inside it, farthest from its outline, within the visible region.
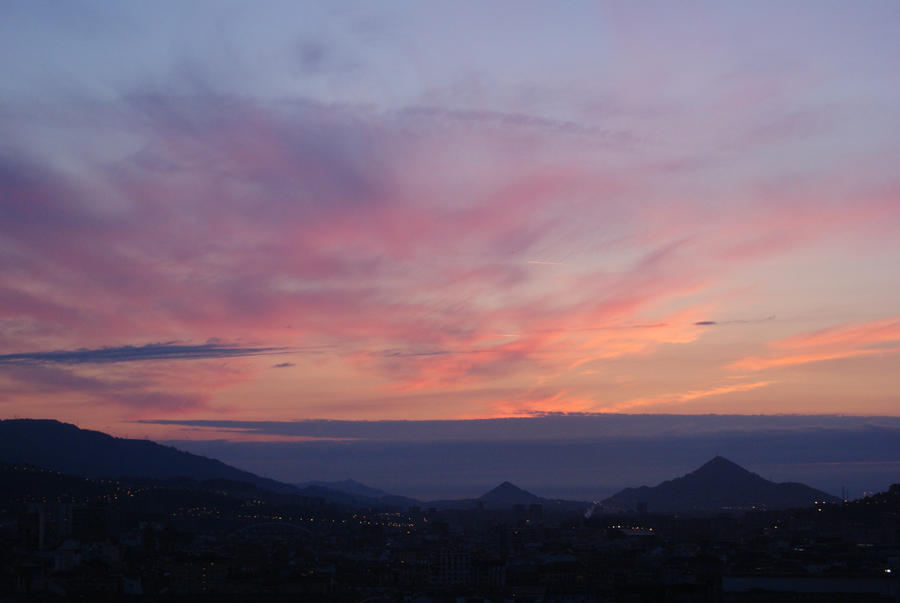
(656, 402)
(872, 338)
(401, 242)
(131, 396)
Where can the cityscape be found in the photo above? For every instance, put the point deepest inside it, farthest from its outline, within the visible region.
(719, 533)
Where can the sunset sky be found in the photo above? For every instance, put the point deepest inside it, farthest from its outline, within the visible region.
(245, 211)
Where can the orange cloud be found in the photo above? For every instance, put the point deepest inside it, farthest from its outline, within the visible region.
(538, 402)
(398, 245)
(685, 396)
(845, 341)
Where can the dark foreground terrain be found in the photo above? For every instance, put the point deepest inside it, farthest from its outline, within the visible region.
(74, 538)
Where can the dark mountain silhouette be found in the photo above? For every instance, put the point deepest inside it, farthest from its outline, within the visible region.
(881, 502)
(25, 482)
(64, 448)
(35, 483)
(507, 495)
(348, 486)
(718, 484)
(67, 449)
(356, 493)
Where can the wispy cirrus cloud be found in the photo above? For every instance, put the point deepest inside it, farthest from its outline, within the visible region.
(168, 376)
(874, 338)
(655, 403)
(352, 228)
(60, 388)
(520, 237)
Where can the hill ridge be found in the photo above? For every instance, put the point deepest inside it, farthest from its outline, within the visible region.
(509, 493)
(717, 484)
(68, 449)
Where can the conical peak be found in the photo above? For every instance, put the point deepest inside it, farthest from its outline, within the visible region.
(719, 468)
(506, 487)
(508, 490)
(720, 462)
(718, 484)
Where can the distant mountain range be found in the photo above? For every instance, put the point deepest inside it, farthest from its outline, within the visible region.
(719, 484)
(71, 451)
(355, 494)
(348, 486)
(504, 496)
